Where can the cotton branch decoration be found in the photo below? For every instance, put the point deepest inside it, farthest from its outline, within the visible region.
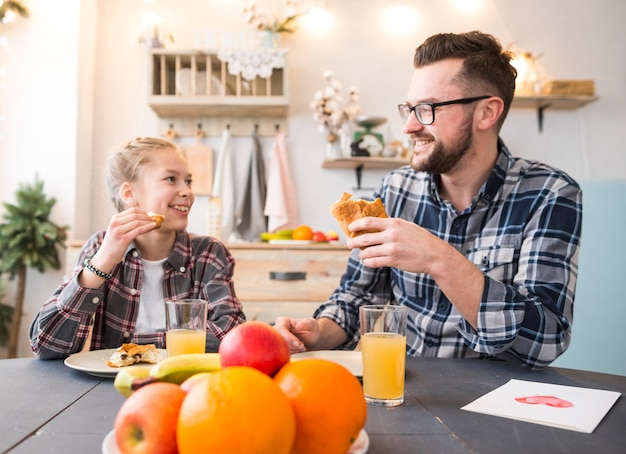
(329, 110)
(275, 24)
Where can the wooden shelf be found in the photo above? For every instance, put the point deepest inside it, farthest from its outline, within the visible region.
(553, 101)
(373, 162)
(192, 83)
(220, 106)
(543, 102)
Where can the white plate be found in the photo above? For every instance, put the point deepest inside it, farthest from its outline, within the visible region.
(351, 360)
(95, 362)
(360, 446)
(109, 444)
(277, 241)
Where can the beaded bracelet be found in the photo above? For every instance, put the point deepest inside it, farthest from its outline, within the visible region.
(96, 271)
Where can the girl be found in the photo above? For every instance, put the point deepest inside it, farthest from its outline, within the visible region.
(123, 274)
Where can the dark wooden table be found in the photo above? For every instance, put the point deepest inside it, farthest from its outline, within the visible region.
(47, 407)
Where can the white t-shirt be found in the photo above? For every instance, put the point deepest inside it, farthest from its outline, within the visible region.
(151, 317)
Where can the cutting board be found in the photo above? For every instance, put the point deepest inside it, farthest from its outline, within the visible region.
(200, 160)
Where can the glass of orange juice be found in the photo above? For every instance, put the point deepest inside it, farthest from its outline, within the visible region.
(185, 325)
(383, 348)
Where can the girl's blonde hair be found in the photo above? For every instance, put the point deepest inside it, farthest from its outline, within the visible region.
(127, 163)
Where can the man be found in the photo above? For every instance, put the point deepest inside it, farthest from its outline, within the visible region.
(481, 247)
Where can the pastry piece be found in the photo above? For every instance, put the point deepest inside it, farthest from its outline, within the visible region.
(158, 218)
(346, 211)
(129, 354)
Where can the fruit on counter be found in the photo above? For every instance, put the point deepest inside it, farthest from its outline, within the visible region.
(237, 409)
(284, 234)
(146, 422)
(130, 379)
(328, 403)
(177, 369)
(255, 344)
(320, 237)
(302, 232)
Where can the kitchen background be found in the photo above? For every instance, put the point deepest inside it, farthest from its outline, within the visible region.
(75, 83)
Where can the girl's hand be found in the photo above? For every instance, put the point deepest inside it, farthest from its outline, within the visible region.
(123, 228)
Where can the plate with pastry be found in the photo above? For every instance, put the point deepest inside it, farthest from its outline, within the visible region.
(108, 362)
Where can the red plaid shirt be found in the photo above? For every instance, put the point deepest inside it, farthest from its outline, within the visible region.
(198, 267)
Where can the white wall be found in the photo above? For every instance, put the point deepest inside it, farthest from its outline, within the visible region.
(78, 82)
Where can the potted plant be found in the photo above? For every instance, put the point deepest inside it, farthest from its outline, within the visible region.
(28, 239)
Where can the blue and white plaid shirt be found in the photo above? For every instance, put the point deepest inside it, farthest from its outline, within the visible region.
(522, 231)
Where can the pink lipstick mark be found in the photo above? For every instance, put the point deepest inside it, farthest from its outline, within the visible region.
(551, 401)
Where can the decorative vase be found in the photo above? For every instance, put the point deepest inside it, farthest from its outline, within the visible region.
(269, 39)
(333, 149)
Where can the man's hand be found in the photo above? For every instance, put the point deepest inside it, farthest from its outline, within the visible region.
(407, 246)
(310, 333)
(398, 244)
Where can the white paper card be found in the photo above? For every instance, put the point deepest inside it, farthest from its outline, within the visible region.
(565, 407)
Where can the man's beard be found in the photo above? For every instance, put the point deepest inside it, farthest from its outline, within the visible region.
(443, 159)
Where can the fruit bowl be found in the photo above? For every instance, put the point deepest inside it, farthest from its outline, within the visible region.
(360, 445)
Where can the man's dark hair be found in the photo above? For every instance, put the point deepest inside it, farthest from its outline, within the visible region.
(486, 68)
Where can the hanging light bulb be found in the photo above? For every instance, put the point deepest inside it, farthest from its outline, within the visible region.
(318, 19)
(400, 18)
(527, 82)
(467, 6)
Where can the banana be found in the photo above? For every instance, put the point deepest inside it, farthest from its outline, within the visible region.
(176, 369)
(129, 379)
(283, 234)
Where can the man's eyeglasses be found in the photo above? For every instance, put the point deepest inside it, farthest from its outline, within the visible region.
(425, 111)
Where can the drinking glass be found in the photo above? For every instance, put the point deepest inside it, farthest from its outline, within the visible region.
(383, 348)
(185, 325)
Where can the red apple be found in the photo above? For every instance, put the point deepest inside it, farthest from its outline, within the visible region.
(319, 237)
(332, 235)
(146, 421)
(254, 344)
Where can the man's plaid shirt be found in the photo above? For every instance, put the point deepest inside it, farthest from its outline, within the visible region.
(522, 231)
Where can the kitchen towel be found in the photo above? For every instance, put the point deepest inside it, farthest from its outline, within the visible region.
(224, 184)
(250, 220)
(280, 203)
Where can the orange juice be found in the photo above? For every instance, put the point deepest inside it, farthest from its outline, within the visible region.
(384, 356)
(183, 341)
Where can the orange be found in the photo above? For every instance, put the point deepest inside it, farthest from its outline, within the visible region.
(303, 232)
(236, 409)
(328, 403)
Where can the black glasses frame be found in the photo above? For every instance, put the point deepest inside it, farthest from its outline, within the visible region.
(433, 105)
